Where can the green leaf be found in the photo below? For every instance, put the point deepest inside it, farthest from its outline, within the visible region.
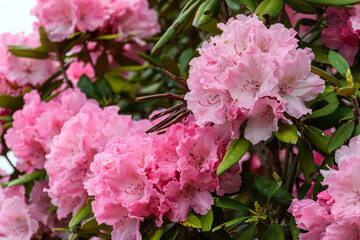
(62, 230)
(234, 153)
(318, 138)
(157, 234)
(306, 158)
(248, 233)
(170, 65)
(334, 2)
(6, 118)
(21, 51)
(206, 12)
(266, 187)
(206, 221)
(151, 60)
(234, 5)
(26, 178)
(270, 7)
(185, 58)
(346, 91)
(357, 130)
(333, 104)
(326, 76)
(293, 229)
(274, 232)
(87, 87)
(230, 223)
(340, 136)
(338, 62)
(301, 6)
(229, 203)
(192, 221)
(79, 216)
(10, 102)
(179, 25)
(90, 224)
(287, 133)
(107, 37)
(131, 68)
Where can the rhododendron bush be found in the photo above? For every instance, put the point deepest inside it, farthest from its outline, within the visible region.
(182, 119)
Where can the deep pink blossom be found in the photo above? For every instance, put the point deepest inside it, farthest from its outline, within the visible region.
(251, 72)
(339, 35)
(77, 69)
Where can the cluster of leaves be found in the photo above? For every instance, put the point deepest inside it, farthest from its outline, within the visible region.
(259, 209)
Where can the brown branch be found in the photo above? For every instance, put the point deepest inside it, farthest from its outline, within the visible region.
(163, 95)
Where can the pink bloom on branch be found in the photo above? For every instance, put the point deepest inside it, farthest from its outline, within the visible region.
(251, 72)
(37, 123)
(340, 35)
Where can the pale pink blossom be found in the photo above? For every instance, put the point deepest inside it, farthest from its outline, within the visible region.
(294, 17)
(77, 69)
(16, 222)
(251, 72)
(23, 71)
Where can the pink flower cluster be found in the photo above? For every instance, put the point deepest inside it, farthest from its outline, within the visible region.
(61, 18)
(343, 32)
(19, 71)
(72, 151)
(37, 123)
(254, 73)
(161, 175)
(336, 212)
(20, 217)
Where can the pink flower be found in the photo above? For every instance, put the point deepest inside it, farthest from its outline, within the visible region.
(340, 34)
(294, 17)
(251, 72)
(39, 203)
(77, 69)
(37, 123)
(310, 216)
(23, 71)
(15, 222)
(71, 154)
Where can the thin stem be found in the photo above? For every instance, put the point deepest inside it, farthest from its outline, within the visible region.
(225, 10)
(63, 70)
(175, 78)
(12, 165)
(164, 95)
(172, 109)
(356, 109)
(286, 162)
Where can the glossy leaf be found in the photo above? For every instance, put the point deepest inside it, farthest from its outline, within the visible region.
(287, 133)
(346, 91)
(306, 158)
(21, 51)
(274, 232)
(270, 7)
(79, 216)
(90, 224)
(301, 6)
(326, 76)
(357, 130)
(266, 187)
(229, 203)
(333, 104)
(338, 62)
(234, 153)
(248, 233)
(179, 24)
(334, 2)
(230, 223)
(206, 12)
(87, 87)
(27, 178)
(318, 138)
(206, 221)
(157, 234)
(192, 221)
(293, 229)
(340, 136)
(10, 102)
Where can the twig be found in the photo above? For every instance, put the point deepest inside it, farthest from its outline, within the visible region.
(175, 78)
(225, 9)
(63, 70)
(356, 109)
(172, 109)
(163, 95)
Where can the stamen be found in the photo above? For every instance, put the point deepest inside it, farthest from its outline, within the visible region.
(267, 50)
(291, 90)
(247, 89)
(210, 104)
(238, 53)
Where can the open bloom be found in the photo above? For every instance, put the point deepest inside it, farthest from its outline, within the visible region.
(252, 73)
(336, 212)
